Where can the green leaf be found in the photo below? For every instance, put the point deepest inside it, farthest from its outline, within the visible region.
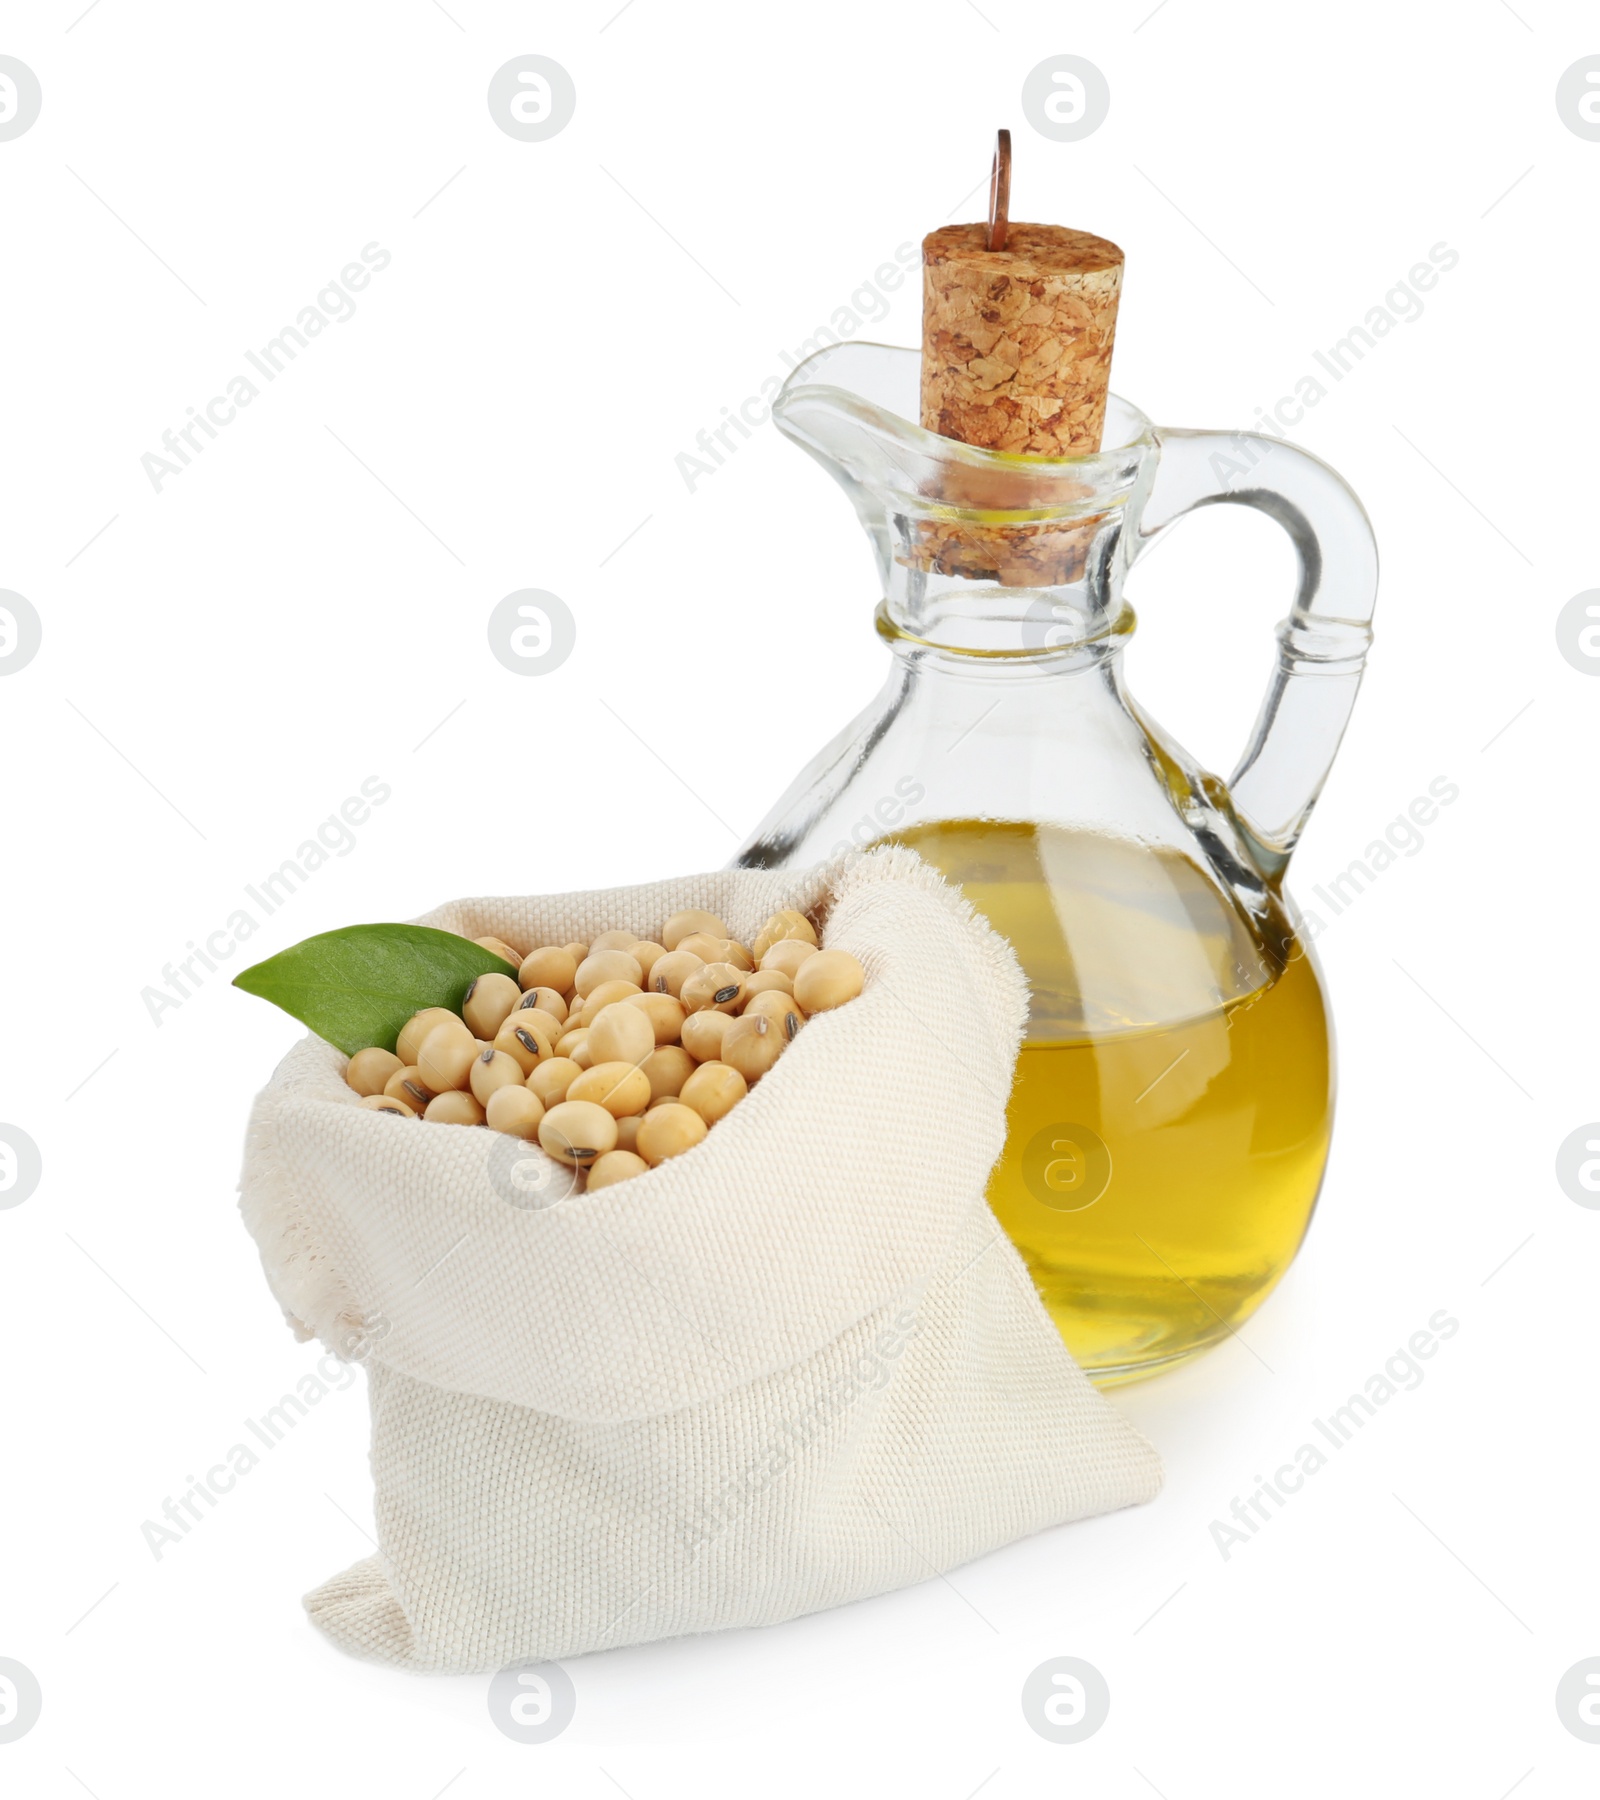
(356, 987)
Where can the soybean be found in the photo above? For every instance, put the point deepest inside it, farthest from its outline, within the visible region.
(827, 980)
(703, 1033)
(417, 1027)
(607, 994)
(577, 1131)
(718, 985)
(383, 1103)
(679, 926)
(766, 981)
(515, 1111)
(787, 925)
(525, 1042)
(551, 1079)
(545, 999)
(493, 1070)
(787, 956)
(606, 965)
(713, 1090)
(717, 950)
(620, 1033)
(668, 1068)
(665, 1014)
(499, 947)
(670, 971)
(369, 1071)
(446, 1057)
(538, 1021)
(620, 1087)
(488, 1001)
(781, 1009)
(753, 1045)
(454, 1109)
(615, 1166)
(647, 953)
(409, 1086)
(551, 967)
(613, 940)
(667, 1130)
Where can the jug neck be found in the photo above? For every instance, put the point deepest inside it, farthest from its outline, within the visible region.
(974, 628)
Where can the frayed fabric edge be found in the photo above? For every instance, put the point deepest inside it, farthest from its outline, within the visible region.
(315, 1300)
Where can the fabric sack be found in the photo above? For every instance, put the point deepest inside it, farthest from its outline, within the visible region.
(798, 1365)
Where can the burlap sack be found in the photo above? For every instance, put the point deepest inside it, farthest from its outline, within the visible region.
(799, 1365)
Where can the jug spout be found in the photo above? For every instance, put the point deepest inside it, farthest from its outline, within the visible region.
(971, 544)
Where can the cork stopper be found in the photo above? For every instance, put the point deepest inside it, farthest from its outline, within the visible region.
(1018, 324)
(1016, 342)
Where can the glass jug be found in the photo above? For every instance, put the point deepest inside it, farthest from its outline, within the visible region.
(1169, 1120)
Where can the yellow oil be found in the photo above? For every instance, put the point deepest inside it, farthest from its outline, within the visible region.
(1170, 1116)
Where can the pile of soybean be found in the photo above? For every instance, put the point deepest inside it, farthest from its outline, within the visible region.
(618, 1054)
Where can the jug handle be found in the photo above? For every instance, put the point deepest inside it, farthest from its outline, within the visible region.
(1322, 645)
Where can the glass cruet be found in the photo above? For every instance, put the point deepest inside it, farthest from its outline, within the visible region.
(1170, 1116)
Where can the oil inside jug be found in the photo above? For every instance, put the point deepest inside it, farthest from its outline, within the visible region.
(1170, 1115)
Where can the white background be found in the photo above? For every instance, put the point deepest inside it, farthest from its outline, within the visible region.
(305, 607)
